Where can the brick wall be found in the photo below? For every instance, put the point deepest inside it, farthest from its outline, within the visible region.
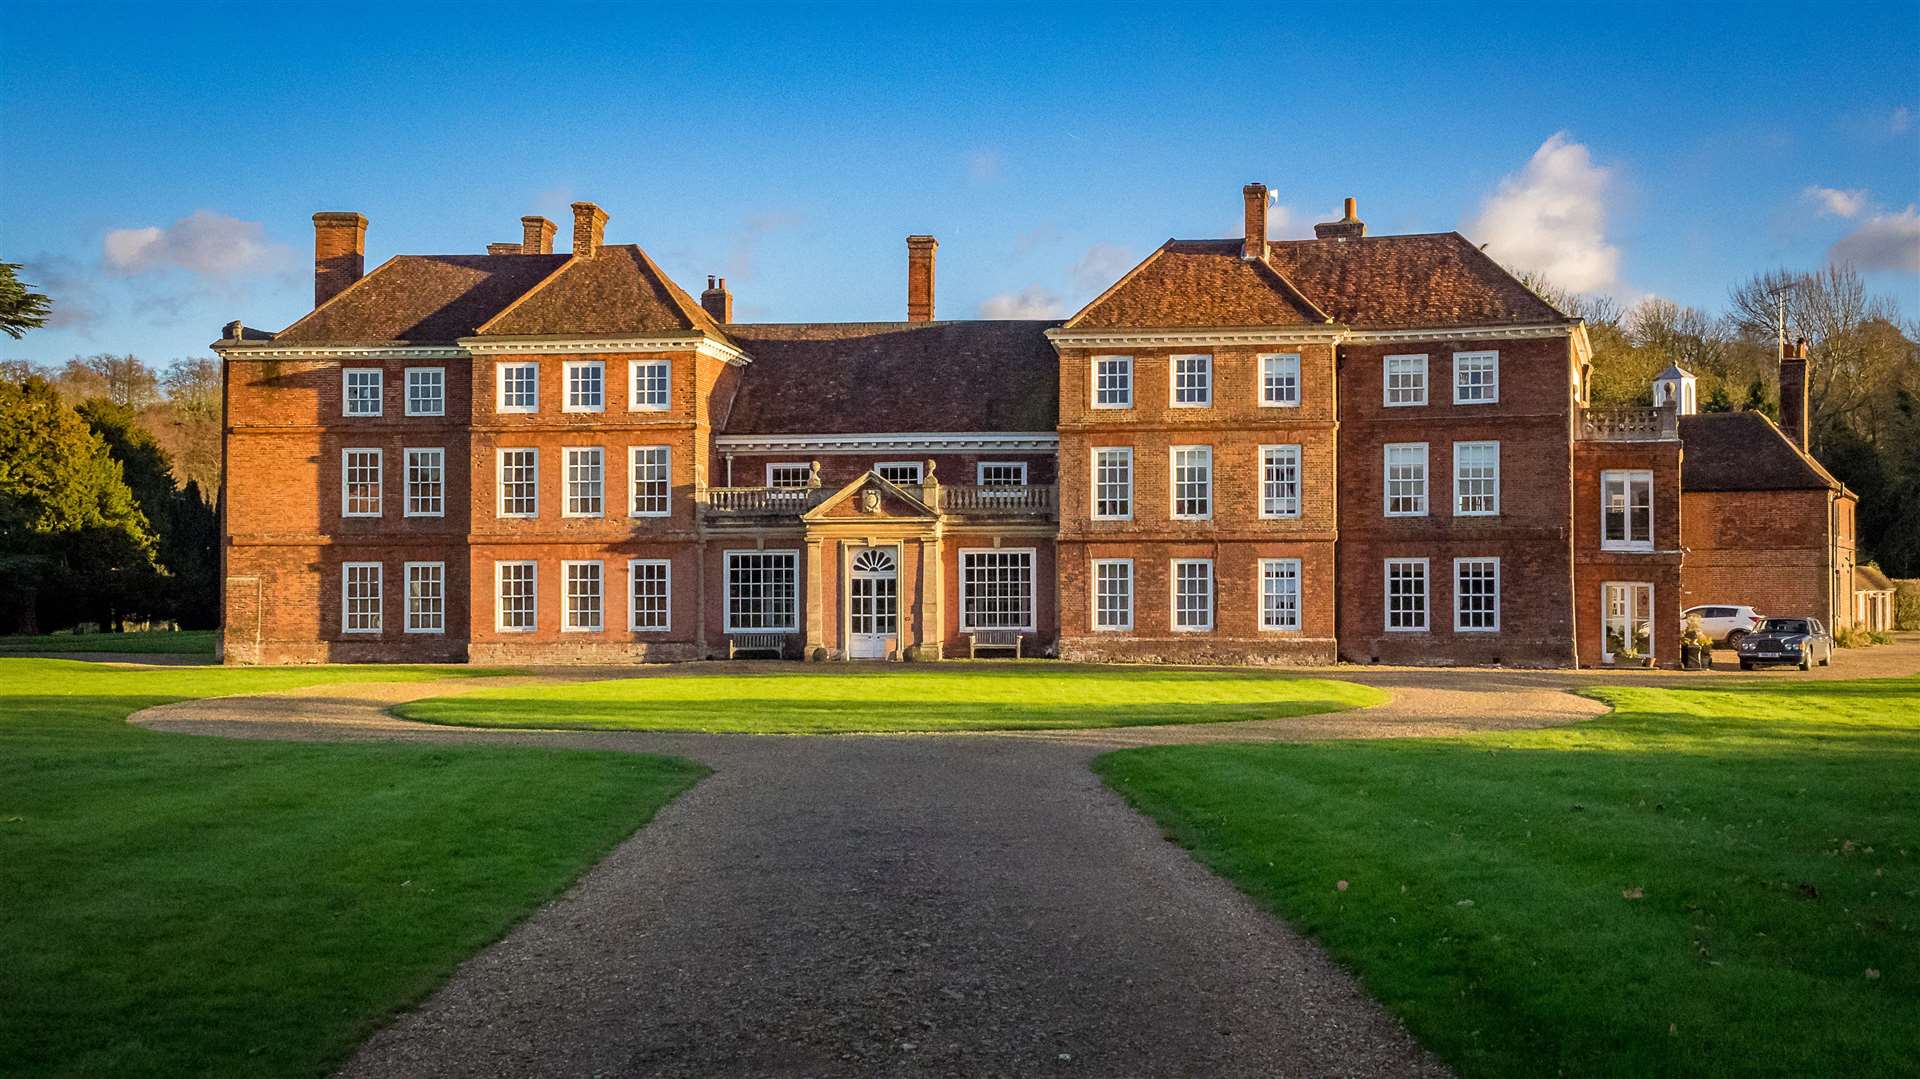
(1659, 568)
(1531, 421)
(1763, 548)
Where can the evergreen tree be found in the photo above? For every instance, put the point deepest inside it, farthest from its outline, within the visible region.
(21, 308)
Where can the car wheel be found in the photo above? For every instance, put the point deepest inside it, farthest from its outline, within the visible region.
(1828, 662)
(1734, 638)
(1806, 661)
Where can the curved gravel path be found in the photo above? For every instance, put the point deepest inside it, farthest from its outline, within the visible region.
(921, 905)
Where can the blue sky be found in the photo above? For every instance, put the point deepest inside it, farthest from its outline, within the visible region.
(162, 162)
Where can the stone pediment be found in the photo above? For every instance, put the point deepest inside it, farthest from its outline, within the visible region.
(871, 498)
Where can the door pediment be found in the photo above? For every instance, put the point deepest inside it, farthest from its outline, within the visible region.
(871, 498)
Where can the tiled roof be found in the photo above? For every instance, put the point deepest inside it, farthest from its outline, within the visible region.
(846, 377)
(423, 299)
(1436, 279)
(617, 291)
(1197, 283)
(1871, 578)
(1744, 451)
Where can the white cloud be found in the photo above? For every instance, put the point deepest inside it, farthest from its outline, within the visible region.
(1030, 302)
(203, 242)
(1839, 203)
(1883, 242)
(1100, 267)
(1551, 217)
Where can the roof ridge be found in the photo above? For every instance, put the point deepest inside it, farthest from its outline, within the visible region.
(1314, 309)
(538, 286)
(689, 310)
(335, 298)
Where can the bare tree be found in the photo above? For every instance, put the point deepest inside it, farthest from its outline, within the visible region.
(1857, 349)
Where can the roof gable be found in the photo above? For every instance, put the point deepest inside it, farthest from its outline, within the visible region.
(1198, 284)
(423, 299)
(1436, 279)
(617, 291)
(871, 498)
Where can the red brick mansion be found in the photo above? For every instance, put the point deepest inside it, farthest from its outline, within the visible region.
(1372, 448)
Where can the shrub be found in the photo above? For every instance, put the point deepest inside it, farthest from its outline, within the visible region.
(1852, 637)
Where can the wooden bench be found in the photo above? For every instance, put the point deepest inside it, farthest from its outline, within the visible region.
(757, 642)
(1006, 640)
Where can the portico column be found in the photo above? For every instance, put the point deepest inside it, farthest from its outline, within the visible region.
(816, 609)
(933, 625)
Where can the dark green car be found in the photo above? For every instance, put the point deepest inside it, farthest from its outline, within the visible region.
(1799, 641)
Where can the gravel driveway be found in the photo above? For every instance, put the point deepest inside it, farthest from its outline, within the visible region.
(924, 905)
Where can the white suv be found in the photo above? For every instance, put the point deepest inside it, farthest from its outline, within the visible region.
(1723, 623)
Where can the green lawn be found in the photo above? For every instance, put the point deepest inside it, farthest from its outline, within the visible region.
(1713, 881)
(178, 905)
(193, 642)
(956, 697)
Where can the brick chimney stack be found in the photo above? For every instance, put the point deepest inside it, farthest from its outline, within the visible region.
(1349, 227)
(717, 300)
(589, 229)
(339, 253)
(1255, 244)
(1793, 391)
(920, 251)
(537, 235)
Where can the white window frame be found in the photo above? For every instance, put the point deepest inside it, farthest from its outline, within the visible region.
(1297, 453)
(1459, 495)
(379, 392)
(1173, 484)
(500, 481)
(633, 481)
(566, 481)
(634, 368)
(1492, 360)
(379, 483)
(1173, 594)
(1407, 360)
(919, 471)
(500, 387)
(567, 368)
(1298, 594)
(1033, 587)
(1125, 368)
(406, 579)
(980, 472)
(1426, 595)
(633, 608)
(1093, 506)
(1093, 596)
(726, 590)
(1629, 477)
(1283, 360)
(805, 467)
(379, 598)
(438, 372)
(566, 608)
(533, 596)
(1386, 479)
(406, 481)
(1173, 379)
(1459, 608)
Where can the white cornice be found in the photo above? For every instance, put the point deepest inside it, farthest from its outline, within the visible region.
(574, 346)
(1278, 336)
(918, 441)
(1462, 333)
(270, 351)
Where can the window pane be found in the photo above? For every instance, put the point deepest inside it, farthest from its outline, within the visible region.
(585, 477)
(1280, 593)
(1192, 594)
(1406, 594)
(426, 597)
(1113, 482)
(1280, 380)
(582, 595)
(1113, 594)
(1192, 481)
(762, 590)
(1280, 481)
(514, 595)
(361, 490)
(996, 590)
(650, 595)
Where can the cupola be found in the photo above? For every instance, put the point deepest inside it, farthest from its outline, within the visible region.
(1674, 388)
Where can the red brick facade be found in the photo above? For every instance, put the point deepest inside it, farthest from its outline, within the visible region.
(1374, 450)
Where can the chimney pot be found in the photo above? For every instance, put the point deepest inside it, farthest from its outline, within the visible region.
(589, 229)
(1254, 245)
(717, 301)
(339, 253)
(920, 250)
(1349, 227)
(536, 234)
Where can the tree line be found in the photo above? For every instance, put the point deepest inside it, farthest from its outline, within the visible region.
(1863, 379)
(108, 474)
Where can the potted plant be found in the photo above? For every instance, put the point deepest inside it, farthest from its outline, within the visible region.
(1696, 648)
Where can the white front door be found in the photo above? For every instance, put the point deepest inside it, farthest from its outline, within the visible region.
(873, 602)
(1626, 627)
